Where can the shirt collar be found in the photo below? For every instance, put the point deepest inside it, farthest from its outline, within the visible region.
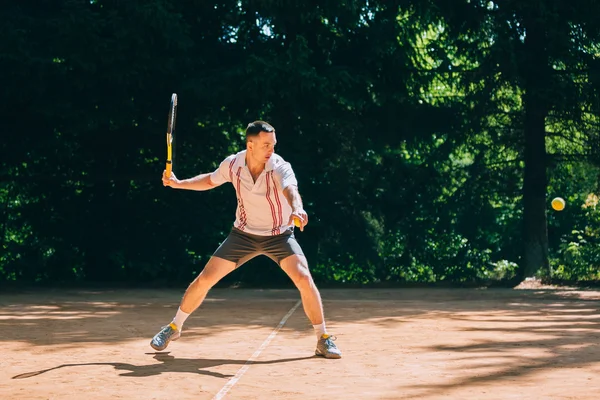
(240, 159)
(270, 165)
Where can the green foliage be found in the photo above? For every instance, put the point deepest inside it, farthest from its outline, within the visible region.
(405, 123)
(575, 232)
(579, 258)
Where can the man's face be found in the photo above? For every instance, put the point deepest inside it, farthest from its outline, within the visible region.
(262, 146)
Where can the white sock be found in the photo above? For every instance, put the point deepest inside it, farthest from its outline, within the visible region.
(320, 329)
(180, 318)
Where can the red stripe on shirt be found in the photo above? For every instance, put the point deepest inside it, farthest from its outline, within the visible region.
(231, 169)
(243, 220)
(279, 208)
(273, 215)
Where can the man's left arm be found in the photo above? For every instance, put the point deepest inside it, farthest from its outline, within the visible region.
(286, 179)
(292, 195)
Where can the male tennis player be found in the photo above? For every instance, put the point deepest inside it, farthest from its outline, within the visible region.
(267, 204)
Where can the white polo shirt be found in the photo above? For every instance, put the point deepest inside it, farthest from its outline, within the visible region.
(262, 209)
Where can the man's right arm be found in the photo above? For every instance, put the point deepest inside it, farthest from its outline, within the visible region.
(200, 182)
(204, 181)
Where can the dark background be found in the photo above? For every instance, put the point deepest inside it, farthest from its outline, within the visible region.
(428, 137)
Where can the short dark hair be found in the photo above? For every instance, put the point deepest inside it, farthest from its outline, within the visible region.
(256, 127)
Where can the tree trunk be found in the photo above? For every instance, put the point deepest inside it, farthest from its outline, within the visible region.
(536, 75)
(534, 192)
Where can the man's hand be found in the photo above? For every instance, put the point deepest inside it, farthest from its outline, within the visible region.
(300, 215)
(171, 181)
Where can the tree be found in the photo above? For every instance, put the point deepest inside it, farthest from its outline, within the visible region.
(547, 51)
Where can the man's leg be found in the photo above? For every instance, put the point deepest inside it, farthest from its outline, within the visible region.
(213, 272)
(296, 267)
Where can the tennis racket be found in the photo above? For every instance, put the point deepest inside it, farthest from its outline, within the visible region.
(171, 134)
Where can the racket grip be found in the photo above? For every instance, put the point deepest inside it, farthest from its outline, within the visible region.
(169, 168)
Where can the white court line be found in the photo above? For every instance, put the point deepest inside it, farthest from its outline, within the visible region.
(254, 356)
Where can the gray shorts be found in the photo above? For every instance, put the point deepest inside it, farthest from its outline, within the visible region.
(240, 246)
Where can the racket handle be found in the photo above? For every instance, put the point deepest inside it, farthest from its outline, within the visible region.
(169, 155)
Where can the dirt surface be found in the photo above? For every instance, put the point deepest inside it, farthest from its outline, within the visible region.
(533, 343)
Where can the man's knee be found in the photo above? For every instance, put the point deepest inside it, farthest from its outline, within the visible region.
(303, 276)
(202, 279)
(200, 282)
(213, 271)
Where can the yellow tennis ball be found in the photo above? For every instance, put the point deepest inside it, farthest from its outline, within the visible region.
(297, 222)
(558, 204)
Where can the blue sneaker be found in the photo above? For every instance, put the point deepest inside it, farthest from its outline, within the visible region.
(161, 340)
(326, 348)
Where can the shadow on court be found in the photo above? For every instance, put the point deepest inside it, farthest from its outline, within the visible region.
(438, 342)
(54, 317)
(529, 335)
(168, 364)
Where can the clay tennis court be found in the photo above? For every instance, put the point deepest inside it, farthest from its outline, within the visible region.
(397, 344)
